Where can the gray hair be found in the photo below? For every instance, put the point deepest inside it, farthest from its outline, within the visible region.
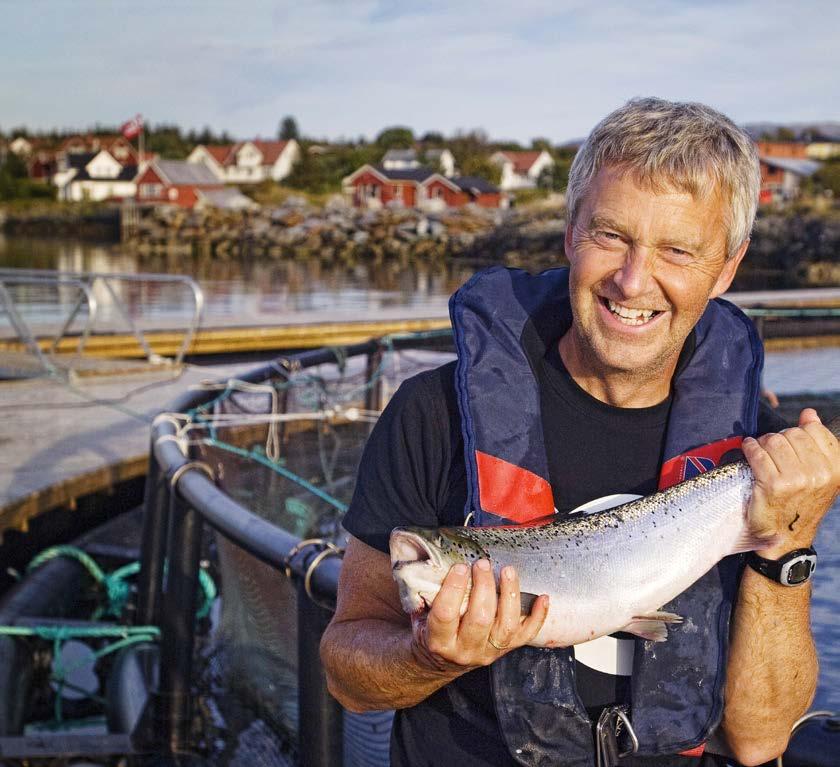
(685, 145)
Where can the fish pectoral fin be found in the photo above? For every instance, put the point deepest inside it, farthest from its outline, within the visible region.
(652, 626)
(749, 541)
(526, 601)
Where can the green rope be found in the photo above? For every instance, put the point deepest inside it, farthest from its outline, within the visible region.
(125, 635)
(62, 633)
(116, 586)
(281, 470)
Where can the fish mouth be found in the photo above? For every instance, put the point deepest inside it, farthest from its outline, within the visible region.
(409, 548)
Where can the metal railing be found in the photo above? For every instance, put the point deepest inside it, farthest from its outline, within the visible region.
(22, 329)
(87, 282)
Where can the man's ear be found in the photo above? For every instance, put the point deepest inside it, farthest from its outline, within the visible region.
(730, 267)
(567, 239)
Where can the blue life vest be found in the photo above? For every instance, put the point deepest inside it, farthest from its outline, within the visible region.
(499, 318)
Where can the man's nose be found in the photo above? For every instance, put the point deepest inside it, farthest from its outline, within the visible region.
(632, 278)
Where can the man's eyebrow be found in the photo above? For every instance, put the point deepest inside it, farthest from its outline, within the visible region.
(602, 222)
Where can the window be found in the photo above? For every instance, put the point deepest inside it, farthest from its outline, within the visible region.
(398, 192)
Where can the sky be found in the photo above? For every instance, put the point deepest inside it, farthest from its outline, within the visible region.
(346, 68)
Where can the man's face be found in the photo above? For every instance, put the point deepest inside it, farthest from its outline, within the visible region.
(644, 264)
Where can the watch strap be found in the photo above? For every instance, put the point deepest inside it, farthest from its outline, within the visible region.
(778, 570)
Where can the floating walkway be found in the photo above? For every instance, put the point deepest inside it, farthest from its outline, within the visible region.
(61, 441)
(234, 340)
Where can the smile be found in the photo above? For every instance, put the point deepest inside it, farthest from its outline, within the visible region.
(628, 316)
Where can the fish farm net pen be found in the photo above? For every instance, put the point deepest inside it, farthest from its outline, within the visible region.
(283, 445)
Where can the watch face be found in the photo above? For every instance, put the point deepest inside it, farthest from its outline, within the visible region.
(799, 570)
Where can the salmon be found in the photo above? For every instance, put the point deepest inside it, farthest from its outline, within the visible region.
(604, 572)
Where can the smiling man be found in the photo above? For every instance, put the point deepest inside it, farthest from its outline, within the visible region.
(607, 378)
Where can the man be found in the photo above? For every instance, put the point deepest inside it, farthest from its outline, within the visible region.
(569, 388)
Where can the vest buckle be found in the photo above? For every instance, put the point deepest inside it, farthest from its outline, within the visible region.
(612, 724)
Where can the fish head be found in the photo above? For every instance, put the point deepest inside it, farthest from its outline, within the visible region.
(421, 558)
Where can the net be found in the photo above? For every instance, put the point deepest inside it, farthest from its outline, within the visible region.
(287, 449)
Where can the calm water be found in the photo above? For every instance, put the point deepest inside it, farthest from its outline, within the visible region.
(257, 292)
(269, 290)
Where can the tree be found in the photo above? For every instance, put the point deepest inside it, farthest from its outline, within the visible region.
(538, 144)
(288, 129)
(828, 177)
(433, 138)
(396, 137)
(472, 155)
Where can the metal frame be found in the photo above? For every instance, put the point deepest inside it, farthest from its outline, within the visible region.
(22, 328)
(86, 281)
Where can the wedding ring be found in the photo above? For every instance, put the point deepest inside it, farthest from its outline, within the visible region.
(497, 646)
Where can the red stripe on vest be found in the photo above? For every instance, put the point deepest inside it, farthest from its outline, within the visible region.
(510, 491)
(696, 461)
(697, 751)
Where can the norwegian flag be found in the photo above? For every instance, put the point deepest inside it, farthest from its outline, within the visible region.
(132, 127)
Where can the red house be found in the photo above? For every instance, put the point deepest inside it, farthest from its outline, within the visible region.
(175, 182)
(374, 186)
(783, 166)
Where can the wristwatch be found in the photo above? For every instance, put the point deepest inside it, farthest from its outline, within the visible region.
(792, 569)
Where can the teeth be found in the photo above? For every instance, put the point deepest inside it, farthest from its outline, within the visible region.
(630, 316)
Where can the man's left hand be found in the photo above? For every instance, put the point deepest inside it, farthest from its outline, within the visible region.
(797, 477)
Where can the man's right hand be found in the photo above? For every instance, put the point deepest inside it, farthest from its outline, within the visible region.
(492, 625)
(374, 660)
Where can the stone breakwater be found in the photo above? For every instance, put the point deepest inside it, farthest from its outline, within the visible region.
(787, 250)
(340, 234)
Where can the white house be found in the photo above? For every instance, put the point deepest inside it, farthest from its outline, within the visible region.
(406, 159)
(21, 146)
(248, 162)
(95, 176)
(520, 170)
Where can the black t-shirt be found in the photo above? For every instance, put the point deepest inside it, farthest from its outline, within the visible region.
(412, 474)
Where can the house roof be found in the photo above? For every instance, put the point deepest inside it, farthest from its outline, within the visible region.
(399, 155)
(522, 161)
(93, 141)
(225, 154)
(475, 184)
(271, 150)
(219, 152)
(183, 173)
(231, 199)
(795, 165)
(405, 174)
(80, 159)
(127, 173)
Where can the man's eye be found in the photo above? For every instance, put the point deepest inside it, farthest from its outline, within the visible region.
(608, 235)
(678, 253)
